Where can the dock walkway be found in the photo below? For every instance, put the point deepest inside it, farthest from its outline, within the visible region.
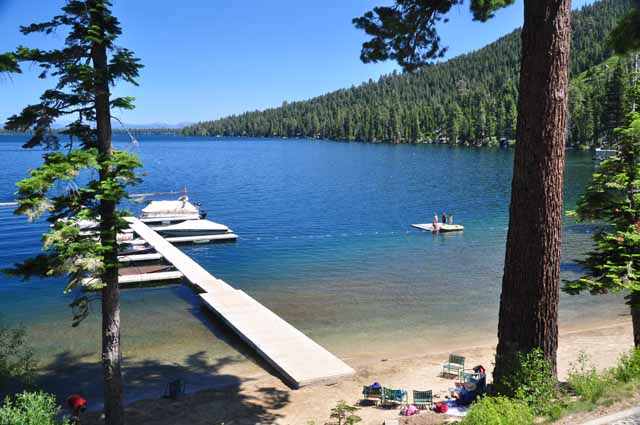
(299, 359)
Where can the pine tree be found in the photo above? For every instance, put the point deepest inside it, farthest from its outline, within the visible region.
(615, 102)
(86, 67)
(614, 197)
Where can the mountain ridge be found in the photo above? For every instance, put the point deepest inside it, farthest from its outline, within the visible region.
(468, 99)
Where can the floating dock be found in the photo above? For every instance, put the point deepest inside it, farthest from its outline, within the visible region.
(90, 282)
(202, 238)
(133, 258)
(299, 359)
(441, 227)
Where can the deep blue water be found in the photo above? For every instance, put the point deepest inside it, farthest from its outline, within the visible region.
(325, 240)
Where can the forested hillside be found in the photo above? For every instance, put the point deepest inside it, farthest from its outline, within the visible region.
(469, 99)
(599, 100)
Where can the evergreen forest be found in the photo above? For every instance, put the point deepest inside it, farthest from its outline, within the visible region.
(470, 99)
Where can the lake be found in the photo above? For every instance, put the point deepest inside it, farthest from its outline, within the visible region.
(324, 240)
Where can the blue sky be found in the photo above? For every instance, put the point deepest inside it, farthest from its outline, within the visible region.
(205, 59)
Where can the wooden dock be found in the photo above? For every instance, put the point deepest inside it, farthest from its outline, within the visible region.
(300, 360)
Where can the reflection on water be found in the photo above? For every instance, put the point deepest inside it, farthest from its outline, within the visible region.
(324, 241)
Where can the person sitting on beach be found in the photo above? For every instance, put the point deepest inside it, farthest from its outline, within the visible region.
(77, 405)
(467, 392)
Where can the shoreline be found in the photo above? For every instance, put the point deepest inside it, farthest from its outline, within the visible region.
(256, 396)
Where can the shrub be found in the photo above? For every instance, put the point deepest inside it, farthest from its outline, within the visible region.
(628, 368)
(531, 380)
(16, 358)
(555, 412)
(498, 410)
(29, 408)
(585, 380)
(343, 414)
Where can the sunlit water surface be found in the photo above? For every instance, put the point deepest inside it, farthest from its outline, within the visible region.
(325, 241)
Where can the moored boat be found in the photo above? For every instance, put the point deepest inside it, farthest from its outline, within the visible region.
(168, 212)
(193, 228)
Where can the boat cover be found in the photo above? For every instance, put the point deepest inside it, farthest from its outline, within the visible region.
(168, 208)
(199, 225)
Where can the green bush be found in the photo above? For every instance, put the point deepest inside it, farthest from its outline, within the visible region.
(531, 380)
(585, 380)
(498, 410)
(16, 357)
(29, 408)
(343, 414)
(628, 368)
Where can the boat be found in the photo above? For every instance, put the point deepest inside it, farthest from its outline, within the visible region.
(136, 276)
(168, 212)
(602, 154)
(441, 227)
(137, 250)
(181, 221)
(140, 270)
(193, 228)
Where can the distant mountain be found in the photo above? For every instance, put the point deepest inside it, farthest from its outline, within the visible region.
(156, 125)
(131, 126)
(469, 99)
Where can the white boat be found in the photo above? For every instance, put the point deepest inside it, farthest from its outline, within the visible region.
(92, 228)
(180, 221)
(441, 227)
(602, 154)
(193, 228)
(167, 212)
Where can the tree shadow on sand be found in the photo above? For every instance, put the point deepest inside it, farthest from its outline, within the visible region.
(145, 384)
(212, 395)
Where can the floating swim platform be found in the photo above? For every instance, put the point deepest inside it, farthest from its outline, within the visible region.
(441, 227)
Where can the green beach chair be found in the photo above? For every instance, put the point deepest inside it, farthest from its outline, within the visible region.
(370, 394)
(469, 375)
(393, 397)
(422, 399)
(454, 366)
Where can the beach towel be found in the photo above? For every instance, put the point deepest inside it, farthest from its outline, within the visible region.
(455, 410)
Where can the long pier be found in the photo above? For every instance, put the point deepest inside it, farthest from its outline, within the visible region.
(299, 359)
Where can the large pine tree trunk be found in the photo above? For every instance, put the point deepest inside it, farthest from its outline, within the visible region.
(111, 355)
(635, 317)
(530, 286)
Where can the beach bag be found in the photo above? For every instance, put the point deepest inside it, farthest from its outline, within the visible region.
(440, 408)
(409, 410)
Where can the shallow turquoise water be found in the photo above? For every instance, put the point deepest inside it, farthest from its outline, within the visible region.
(324, 241)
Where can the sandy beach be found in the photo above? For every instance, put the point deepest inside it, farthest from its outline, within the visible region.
(262, 398)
